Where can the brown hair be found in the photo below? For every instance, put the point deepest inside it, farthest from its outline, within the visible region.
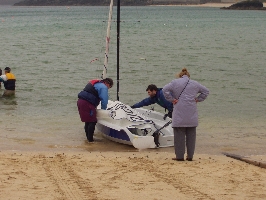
(109, 81)
(152, 87)
(183, 72)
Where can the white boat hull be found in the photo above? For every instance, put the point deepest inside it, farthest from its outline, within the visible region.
(120, 123)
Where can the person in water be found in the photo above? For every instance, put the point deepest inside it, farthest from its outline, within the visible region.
(0, 75)
(9, 81)
(89, 98)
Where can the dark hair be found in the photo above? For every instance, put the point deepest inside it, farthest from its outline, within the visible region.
(152, 87)
(7, 69)
(109, 81)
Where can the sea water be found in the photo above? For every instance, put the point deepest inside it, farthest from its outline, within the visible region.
(54, 51)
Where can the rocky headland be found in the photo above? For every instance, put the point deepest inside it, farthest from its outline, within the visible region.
(246, 5)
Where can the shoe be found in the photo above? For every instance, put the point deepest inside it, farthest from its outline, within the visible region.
(189, 159)
(178, 159)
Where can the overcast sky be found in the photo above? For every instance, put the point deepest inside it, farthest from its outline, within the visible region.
(8, 2)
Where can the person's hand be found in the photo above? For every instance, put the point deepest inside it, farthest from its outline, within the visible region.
(174, 101)
(169, 114)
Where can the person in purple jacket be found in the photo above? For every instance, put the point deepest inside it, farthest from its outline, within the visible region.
(184, 93)
(89, 98)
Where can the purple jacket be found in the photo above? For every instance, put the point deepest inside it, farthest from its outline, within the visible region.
(185, 113)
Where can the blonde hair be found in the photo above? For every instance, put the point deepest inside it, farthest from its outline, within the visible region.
(183, 72)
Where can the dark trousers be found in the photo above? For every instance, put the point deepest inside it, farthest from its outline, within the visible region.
(89, 129)
(184, 137)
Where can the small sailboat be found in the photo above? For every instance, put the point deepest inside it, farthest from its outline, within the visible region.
(139, 127)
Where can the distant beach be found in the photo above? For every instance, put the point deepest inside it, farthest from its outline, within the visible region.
(213, 5)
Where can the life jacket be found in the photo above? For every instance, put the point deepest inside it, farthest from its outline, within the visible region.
(94, 81)
(89, 87)
(10, 84)
(0, 75)
(90, 94)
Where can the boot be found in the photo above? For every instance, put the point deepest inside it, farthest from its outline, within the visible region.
(90, 130)
(156, 139)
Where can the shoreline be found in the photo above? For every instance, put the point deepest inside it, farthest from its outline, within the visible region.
(209, 5)
(137, 175)
(214, 5)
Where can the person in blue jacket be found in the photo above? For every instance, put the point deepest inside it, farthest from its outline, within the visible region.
(89, 98)
(156, 96)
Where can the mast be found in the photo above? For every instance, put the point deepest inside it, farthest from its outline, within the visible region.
(107, 40)
(118, 43)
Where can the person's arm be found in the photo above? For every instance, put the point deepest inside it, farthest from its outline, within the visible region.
(145, 102)
(104, 97)
(204, 92)
(103, 94)
(3, 78)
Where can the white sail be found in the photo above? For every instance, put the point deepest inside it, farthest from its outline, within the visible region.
(107, 40)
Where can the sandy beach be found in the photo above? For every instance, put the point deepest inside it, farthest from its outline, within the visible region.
(126, 175)
(213, 5)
